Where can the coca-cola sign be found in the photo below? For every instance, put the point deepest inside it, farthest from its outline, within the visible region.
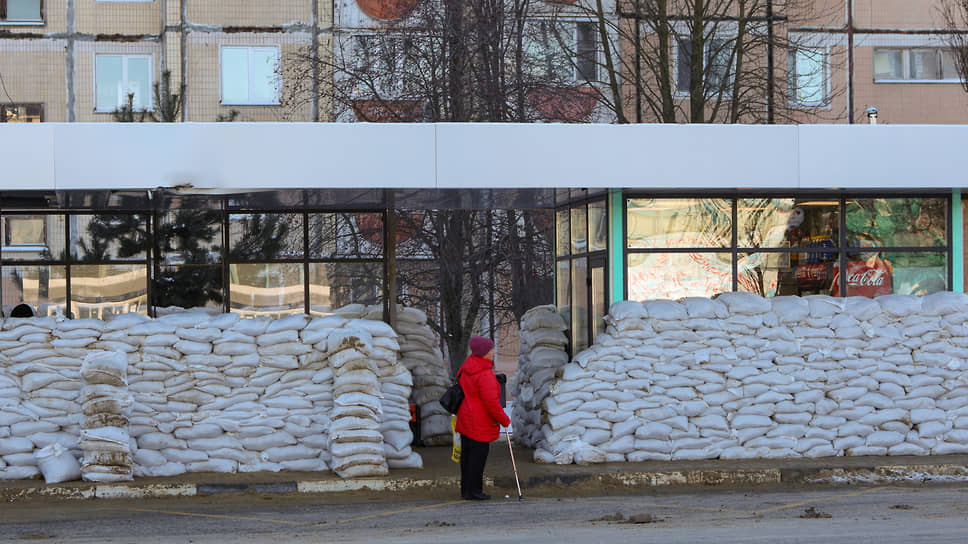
(867, 278)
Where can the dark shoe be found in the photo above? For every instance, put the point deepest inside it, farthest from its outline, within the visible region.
(480, 497)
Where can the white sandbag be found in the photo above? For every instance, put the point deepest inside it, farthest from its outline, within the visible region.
(19, 472)
(198, 430)
(348, 339)
(57, 464)
(272, 440)
(10, 446)
(281, 454)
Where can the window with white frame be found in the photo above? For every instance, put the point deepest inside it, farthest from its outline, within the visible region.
(915, 64)
(117, 76)
(807, 70)
(21, 11)
(716, 65)
(250, 75)
(562, 51)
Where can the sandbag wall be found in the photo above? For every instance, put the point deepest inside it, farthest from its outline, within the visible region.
(741, 376)
(207, 393)
(543, 352)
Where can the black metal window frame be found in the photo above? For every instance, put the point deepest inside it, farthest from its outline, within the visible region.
(842, 249)
(566, 200)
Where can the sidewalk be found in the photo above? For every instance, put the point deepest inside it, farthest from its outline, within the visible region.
(440, 477)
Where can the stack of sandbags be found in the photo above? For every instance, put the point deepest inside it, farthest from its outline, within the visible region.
(742, 376)
(395, 390)
(543, 351)
(420, 354)
(49, 390)
(356, 443)
(106, 404)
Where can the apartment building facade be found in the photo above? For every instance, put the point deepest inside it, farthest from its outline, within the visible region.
(77, 60)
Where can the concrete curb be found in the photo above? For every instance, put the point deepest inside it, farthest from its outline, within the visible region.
(878, 474)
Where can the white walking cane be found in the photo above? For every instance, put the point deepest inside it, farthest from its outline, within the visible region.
(513, 465)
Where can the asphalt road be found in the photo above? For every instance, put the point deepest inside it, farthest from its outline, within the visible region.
(885, 514)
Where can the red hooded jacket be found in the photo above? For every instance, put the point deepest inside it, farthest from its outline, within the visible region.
(480, 415)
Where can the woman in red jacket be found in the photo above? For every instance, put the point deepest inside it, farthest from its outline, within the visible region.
(479, 417)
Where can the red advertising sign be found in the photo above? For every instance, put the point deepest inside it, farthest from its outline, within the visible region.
(865, 278)
(811, 275)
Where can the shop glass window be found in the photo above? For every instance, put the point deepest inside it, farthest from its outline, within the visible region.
(342, 235)
(875, 273)
(33, 238)
(563, 287)
(772, 274)
(21, 113)
(597, 226)
(579, 230)
(21, 11)
(190, 236)
(563, 229)
(109, 237)
(338, 284)
(265, 236)
(104, 290)
(42, 287)
(117, 76)
(678, 275)
(186, 286)
(654, 223)
(787, 222)
(267, 290)
(579, 304)
(250, 75)
(897, 222)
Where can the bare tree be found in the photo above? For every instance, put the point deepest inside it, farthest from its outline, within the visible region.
(954, 17)
(708, 61)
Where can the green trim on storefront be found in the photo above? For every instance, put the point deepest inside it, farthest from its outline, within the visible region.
(957, 243)
(616, 245)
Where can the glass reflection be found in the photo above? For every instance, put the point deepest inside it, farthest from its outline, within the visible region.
(188, 286)
(677, 275)
(679, 222)
(878, 273)
(33, 237)
(265, 236)
(897, 222)
(271, 290)
(579, 230)
(42, 287)
(103, 290)
(190, 236)
(773, 274)
(787, 222)
(597, 226)
(579, 304)
(563, 288)
(109, 237)
(335, 285)
(563, 229)
(345, 235)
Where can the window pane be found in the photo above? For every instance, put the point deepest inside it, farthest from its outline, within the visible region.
(579, 230)
(139, 81)
(188, 286)
(265, 236)
(887, 64)
(101, 291)
(810, 86)
(346, 235)
(597, 226)
(949, 68)
(718, 51)
(877, 273)
(677, 275)
(787, 222)
(924, 64)
(33, 238)
(767, 274)
(190, 237)
(587, 58)
(43, 287)
(679, 222)
(264, 78)
(272, 290)
(599, 304)
(335, 285)
(897, 222)
(563, 288)
(23, 10)
(579, 304)
(107, 237)
(683, 69)
(235, 75)
(563, 227)
(109, 82)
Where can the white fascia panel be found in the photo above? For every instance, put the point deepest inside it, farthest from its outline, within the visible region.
(244, 156)
(631, 156)
(27, 155)
(882, 156)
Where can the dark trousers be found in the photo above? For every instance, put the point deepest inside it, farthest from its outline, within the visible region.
(473, 456)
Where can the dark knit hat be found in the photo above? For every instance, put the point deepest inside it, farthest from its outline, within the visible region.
(480, 345)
